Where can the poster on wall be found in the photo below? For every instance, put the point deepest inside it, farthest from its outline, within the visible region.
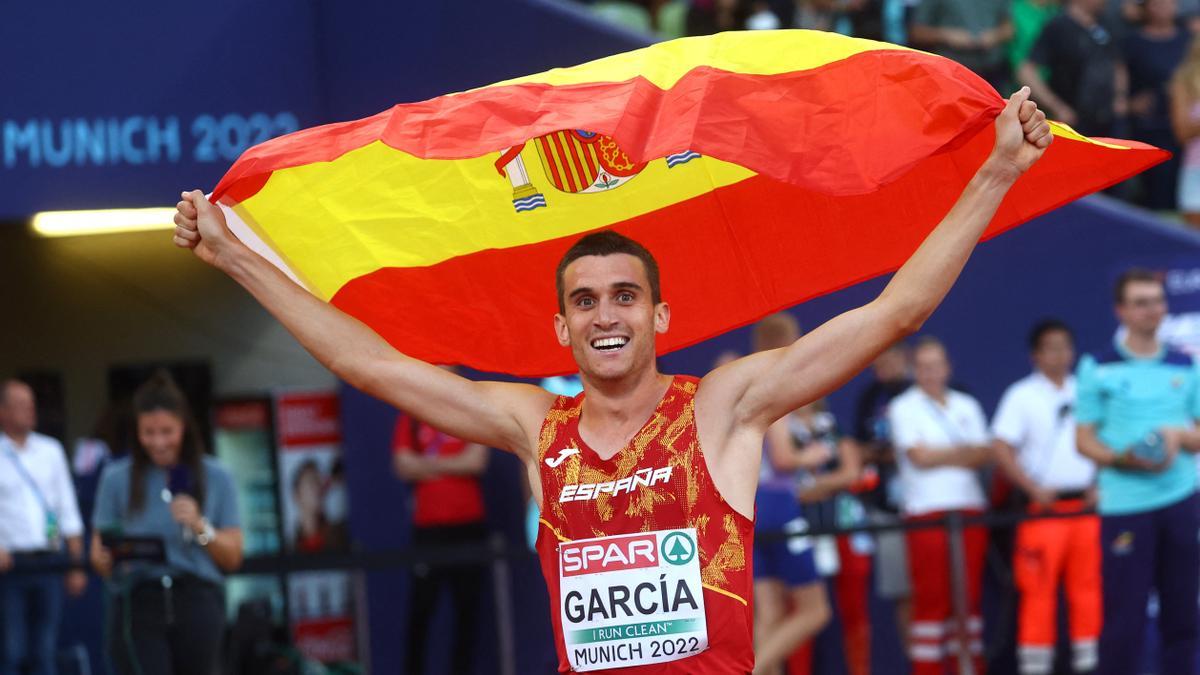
(312, 496)
(244, 443)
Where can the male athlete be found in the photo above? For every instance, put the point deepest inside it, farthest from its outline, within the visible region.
(645, 481)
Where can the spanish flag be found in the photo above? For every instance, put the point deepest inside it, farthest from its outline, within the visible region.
(761, 168)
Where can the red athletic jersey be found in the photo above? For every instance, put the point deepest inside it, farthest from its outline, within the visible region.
(585, 497)
(446, 500)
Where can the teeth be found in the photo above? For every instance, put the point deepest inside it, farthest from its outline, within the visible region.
(609, 342)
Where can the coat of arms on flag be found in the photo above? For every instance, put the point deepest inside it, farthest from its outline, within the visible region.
(573, 161)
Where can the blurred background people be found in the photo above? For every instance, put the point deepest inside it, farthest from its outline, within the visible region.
(890, 378)
(1088, 86)
(1185, 122)
(448, 511)
(1137, 406)
(790, 602)
(166, 616)
(828, 501)
(1034, 438)
(38, 513)
(975, 33)
(940, 436)
(1152, 53)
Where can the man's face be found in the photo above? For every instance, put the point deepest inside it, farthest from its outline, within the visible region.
(1143, 306)
(931, 367)
(18, 412)
(1055, 353)
(1162, 11)
(892, 365)
(611, 319)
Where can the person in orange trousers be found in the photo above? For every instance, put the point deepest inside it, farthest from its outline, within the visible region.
(1034, 439)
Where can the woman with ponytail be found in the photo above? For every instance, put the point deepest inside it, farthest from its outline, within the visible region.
(166, 617)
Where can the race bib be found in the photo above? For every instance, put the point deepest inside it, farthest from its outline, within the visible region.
(632, 599)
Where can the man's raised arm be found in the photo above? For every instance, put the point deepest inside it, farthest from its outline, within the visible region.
(763, 387)
(500, 415)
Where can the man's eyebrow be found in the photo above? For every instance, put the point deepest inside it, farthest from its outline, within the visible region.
(585, 290)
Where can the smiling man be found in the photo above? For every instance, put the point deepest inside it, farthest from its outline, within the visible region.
(645, 476)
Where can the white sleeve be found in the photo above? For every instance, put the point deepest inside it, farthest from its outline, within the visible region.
(66, 508)
(977, 431)
(1009, 425)
(905, 431)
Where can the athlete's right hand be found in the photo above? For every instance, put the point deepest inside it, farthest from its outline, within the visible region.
(200, 226)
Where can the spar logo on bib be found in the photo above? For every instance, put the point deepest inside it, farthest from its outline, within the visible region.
(611, 554)
(678, 548)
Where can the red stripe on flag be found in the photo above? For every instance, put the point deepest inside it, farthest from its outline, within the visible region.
(585, 178)
(548, 158)
(562, 155)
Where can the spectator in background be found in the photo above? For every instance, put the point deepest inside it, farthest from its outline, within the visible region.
(447, 512)
(827, 502)
(706, 17)
(1029, 17)
(1088, 84)
(167, 617)
(790, 603)
(1152, 53)
(1034, 439)
(973, 32)
(940, 437)
(871, 428)
(1137, 406)
(37, 514)
(1185, 122)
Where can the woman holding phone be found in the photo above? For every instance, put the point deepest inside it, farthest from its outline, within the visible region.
(166, 616)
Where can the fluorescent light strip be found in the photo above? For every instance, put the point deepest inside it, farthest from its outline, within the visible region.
(103, 221)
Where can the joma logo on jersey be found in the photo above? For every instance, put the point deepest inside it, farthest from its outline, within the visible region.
(609, 555)
(580, 492)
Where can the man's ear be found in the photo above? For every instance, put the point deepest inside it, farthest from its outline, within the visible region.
(662, 317)
(561, 331)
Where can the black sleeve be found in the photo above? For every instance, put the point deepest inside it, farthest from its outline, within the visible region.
(862, 414)
(1042, 52)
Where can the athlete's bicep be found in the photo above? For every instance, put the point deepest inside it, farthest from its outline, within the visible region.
(501, 415)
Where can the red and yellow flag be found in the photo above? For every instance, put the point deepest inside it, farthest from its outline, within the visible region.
(761, 168)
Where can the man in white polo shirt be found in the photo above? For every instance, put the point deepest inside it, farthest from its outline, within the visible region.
(38, 513)
(940, 437)
(1034, 432)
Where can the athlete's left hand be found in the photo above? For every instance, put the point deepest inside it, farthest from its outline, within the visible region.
(1022, 134)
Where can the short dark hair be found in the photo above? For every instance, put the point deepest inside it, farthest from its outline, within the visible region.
(1130, 276)
(606, 242)
(926, 341)
(1043, 328)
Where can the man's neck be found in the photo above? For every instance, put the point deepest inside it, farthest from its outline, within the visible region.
(18, 438)
(614, 410)
(617, 401)
(1142, 344)
(938, 394)
(1057, 378)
